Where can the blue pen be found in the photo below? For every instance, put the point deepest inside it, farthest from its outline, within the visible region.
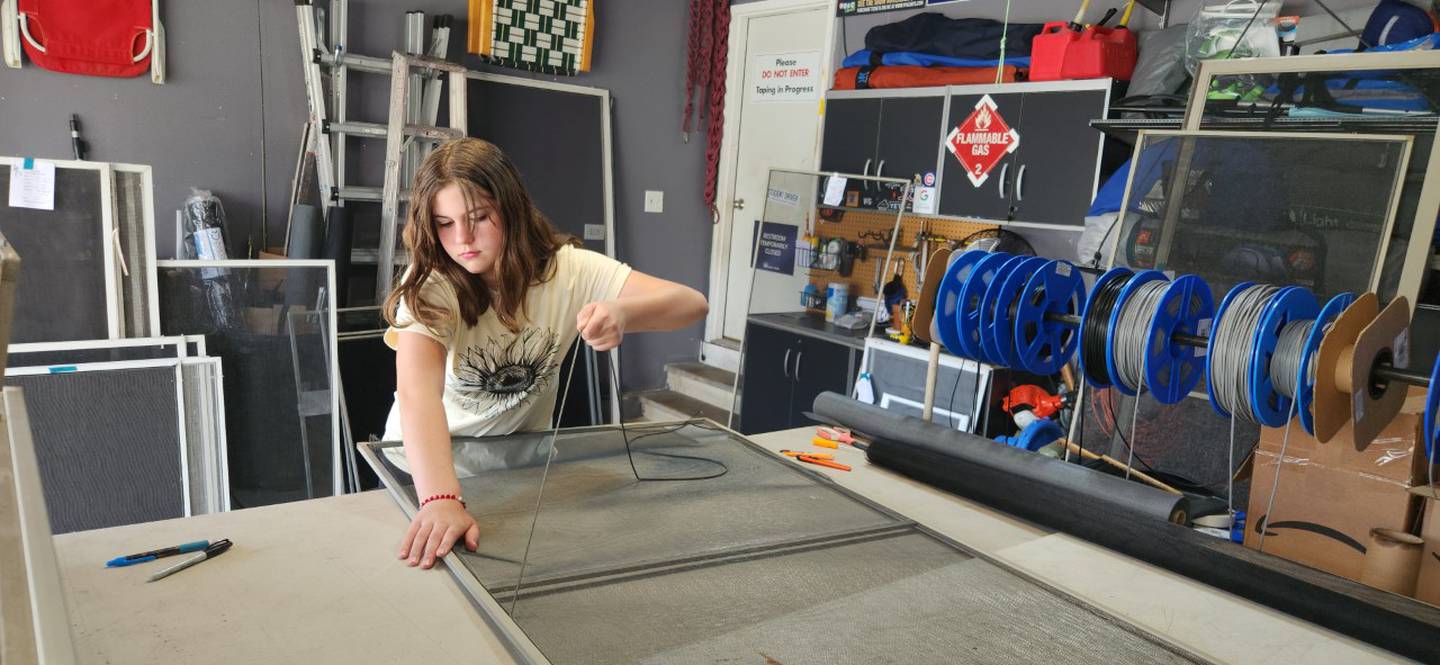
(132, 559)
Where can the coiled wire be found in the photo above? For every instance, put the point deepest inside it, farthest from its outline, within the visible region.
(1285, 364)
(1096, 329)
(1132, 332)
(1232, 350)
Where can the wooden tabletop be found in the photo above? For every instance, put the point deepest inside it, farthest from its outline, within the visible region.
(317, 582)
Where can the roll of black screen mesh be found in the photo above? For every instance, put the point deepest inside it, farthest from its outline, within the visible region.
(1011, 479)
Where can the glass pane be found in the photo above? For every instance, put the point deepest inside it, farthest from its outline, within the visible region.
(275, 432)
(1315, 208)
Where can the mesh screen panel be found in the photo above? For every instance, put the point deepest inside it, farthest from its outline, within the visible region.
(202, 435)
(61, 295)
(765, 561)
(108, 444)
(130, 199)
(1309, 211)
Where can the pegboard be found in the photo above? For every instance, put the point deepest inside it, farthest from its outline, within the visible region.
(862, 277)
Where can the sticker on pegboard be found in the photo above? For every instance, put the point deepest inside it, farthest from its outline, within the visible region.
(982, 141)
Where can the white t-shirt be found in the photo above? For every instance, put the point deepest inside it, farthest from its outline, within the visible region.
(497, 381)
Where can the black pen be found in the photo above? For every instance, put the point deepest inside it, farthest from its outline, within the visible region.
(215, 549)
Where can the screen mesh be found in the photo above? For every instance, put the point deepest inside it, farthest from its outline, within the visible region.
(1306, 210)
(766, 560)
(204, 435)
(61, 295)
(108, 443)
(134, 221)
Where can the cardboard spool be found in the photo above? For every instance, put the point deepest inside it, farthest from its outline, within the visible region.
(921, 324)
(1361, 337)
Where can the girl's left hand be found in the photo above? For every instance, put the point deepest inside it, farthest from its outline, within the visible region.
(601, 324)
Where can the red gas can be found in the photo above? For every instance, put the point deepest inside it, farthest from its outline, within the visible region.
(1047, 51)
(1059, 52)
(1101, 52)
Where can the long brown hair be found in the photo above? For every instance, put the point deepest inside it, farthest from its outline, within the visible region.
(481, 170)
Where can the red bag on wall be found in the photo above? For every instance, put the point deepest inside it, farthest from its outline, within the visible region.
(93, 37)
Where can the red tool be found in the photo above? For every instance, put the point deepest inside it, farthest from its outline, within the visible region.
(1035, 398)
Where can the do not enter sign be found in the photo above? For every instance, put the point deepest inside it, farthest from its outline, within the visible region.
(982, 141)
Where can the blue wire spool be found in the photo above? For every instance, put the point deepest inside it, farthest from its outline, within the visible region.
(1142, 277)
(1293, 303)
(1173, 369)
(972, 297)
(1004, 327)
(1043, 346)
(1305, 383)
(1214, 326)
(995, 311)
(947, 298)
(1432, 404)
(1098, 377)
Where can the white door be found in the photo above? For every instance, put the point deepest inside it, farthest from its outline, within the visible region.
(767, 125)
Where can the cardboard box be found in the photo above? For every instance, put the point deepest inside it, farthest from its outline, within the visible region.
(1428, 588)
(1332, 495)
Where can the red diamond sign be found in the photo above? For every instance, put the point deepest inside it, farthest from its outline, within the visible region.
(982, 141)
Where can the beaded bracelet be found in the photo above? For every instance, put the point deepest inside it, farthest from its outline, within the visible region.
(437, 497)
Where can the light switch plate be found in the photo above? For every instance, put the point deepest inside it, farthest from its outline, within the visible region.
(594, 231)
(654, 201)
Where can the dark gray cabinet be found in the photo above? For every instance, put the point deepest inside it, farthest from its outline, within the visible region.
(1055, 165)
(1050, 178)
(961, 197)
(782, 373)
(893, 137)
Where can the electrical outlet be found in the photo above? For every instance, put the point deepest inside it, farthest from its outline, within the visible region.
(654, 201)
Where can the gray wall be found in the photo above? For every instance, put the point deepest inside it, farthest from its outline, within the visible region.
(230, 116)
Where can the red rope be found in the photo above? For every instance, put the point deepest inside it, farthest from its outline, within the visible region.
(692, 65)
(719, 52)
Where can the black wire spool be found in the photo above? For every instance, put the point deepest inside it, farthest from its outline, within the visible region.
(1095, 325)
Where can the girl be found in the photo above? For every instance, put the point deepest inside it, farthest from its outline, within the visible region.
(493, 299)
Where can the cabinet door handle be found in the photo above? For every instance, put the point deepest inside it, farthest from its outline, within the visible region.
(880, 168)
(1020, 183)
(785, 364)
(798, 356)
(1004, 170)
(865, 184)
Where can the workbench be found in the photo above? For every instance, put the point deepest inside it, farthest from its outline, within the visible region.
(319, 582)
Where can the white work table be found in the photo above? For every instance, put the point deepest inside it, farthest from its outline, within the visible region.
(318, 582)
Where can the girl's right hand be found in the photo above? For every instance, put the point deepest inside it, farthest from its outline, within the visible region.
(435, 529)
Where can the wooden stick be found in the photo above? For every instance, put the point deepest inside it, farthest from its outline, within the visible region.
(931, 371)
(1144, 477)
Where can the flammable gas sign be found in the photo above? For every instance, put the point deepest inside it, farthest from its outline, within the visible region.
(982, 141)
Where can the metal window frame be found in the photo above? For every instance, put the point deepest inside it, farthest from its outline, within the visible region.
(174, 363)
(337, 475)
(1417, 256)
(213, 420)
(147, 231)
(113, 314)
(1167, 232)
